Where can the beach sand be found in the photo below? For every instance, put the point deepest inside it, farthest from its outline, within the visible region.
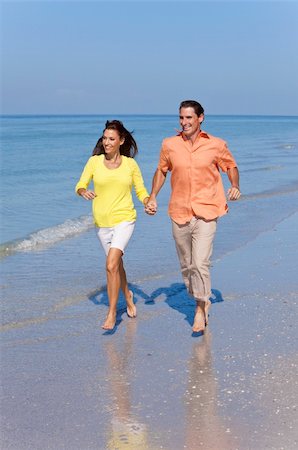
(152, 384)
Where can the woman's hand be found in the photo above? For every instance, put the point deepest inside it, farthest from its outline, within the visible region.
(86, 194)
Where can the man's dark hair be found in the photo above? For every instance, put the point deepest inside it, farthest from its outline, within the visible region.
(198, 108)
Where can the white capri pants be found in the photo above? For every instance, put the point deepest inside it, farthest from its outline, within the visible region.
(115, 237)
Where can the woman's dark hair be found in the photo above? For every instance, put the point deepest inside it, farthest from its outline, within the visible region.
(128, 148)
(197, 107)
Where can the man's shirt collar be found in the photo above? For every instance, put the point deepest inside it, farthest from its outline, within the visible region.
(201, 134)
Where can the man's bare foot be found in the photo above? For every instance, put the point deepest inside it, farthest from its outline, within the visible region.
(206, 310)
(110, 322)
(131, 307)
(199, 320)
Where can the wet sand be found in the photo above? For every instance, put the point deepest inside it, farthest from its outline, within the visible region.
(152, 384)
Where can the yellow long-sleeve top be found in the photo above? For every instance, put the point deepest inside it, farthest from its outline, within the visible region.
(113, 203)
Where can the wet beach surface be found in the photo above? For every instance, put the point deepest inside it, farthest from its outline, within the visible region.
(151, 383)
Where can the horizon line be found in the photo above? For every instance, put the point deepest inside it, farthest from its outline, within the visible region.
(134, 114)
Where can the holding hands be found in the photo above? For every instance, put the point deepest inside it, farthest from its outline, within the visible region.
(150, 206)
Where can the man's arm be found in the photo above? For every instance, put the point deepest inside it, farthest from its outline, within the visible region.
(157, 183)
(234, 191)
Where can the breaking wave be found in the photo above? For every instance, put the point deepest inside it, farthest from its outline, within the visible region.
(48, 236)
(289, 189)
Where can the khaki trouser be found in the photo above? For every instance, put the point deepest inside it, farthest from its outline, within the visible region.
(194, 244)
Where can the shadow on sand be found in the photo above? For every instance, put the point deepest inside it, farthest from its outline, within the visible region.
(176, 297)
(100, 297)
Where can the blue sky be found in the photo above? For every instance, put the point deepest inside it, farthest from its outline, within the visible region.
(145, 57)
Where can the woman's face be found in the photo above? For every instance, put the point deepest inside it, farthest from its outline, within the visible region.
(111, 141)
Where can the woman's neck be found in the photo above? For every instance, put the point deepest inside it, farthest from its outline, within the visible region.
(113, 158)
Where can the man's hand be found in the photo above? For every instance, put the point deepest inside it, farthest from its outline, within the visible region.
(234, 193)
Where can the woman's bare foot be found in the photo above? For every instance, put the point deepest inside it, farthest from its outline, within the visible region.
(131, 307)
(110, 321)
(206, 310)
(199, 319)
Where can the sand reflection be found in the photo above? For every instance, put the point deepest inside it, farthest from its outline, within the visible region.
(126, 431)
(204, 427)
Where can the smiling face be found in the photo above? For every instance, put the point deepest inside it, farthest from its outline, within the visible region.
(111, 142)
(190, 122)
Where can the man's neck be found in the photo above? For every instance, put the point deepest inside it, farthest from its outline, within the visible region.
(193, 137)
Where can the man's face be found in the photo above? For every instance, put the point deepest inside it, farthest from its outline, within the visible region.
(190, 122)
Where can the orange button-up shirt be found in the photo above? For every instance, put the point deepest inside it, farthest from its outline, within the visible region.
(197, 188)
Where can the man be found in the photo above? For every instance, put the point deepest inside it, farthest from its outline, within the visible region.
(194, 158)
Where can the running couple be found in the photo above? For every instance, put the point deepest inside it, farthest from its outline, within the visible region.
(194, 158)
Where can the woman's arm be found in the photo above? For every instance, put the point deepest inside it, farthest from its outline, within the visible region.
(138, 183)
(86, 177)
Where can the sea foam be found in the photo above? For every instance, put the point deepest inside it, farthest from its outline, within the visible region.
(48, 236)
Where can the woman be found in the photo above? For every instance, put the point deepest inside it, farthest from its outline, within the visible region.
(114, 172)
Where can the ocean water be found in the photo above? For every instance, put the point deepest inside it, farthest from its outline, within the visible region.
(50, 256)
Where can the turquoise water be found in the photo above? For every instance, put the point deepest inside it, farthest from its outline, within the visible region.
(42, 158)
(48, 245)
